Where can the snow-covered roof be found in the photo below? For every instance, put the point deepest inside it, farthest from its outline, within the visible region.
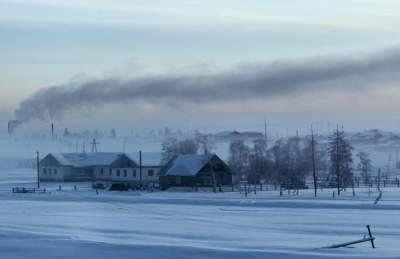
(104, 158)
(86, 159)
(185, 165)
(148, 158)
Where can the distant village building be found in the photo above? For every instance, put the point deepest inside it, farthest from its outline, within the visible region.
(195, 170)
(116, 167)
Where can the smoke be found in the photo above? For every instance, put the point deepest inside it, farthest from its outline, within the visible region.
(247, 81)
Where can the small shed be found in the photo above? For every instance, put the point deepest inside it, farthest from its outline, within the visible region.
(195, 170)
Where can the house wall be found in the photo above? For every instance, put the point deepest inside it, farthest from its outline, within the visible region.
(123, 169)
(151, 174)
(204, 178)
(60, 173)
(78, 174)
(102, 173)
(126, 174)
(52, 173)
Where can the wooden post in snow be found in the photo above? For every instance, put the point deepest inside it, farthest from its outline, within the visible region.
(370, 238)
(37, 165)
(140, 168)
(313, 162)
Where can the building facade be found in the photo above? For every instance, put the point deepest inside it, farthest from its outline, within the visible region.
(114, 167)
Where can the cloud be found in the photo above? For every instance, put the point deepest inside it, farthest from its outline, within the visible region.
(244, 82)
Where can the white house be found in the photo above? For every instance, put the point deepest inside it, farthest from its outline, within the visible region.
(116, 167)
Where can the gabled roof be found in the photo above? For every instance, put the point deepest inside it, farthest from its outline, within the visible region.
(185, 165)
(148, 158)
(86, 159)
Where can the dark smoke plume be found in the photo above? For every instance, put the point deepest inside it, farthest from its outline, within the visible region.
(251, 81)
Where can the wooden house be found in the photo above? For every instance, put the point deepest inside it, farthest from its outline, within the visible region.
(195, 170)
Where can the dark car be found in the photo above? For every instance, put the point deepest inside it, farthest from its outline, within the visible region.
(119, 187)
(100, 186)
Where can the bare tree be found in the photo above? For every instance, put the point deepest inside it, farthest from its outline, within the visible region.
(172, 147)
(188, 146)
(365, 167)
(204, 142)
(239, 158)
(292, 163)
(260, 162)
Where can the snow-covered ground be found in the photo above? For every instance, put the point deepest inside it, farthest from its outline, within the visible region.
(82, 224)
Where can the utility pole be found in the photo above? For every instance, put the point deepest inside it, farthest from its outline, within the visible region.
(337, 160)
(214, 178)
(94, 146)
(9, 128)
(140, 167)
(37, 166)
(313, 161)
(265, 132)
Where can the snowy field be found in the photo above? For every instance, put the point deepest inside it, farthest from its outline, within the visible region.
(81, 224)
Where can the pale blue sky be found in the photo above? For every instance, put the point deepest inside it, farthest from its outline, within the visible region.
(50, 42)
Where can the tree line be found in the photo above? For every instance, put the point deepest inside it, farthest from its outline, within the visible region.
(288, 162)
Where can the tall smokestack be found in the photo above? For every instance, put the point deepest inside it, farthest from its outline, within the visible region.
(12, 125)
(52, 130)
(9, 128)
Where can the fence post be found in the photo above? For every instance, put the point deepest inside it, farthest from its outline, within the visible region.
(371, 237)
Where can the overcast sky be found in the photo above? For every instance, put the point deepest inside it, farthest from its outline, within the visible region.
(46, 43)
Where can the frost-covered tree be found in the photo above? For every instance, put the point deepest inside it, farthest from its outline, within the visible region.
(341, 160)
(291, 163)
(169, 149)
(239, 158)
(364, 166)
(172, 147)
(204, 142)
(188, 146)
(260, 162)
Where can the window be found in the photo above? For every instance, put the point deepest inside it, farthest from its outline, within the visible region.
(178, 180)
(101, 171)
(110, 171)
(150, 172)
(55, 171)
(118, 173)
(44, 171)
(125, 173)
(134, 173)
